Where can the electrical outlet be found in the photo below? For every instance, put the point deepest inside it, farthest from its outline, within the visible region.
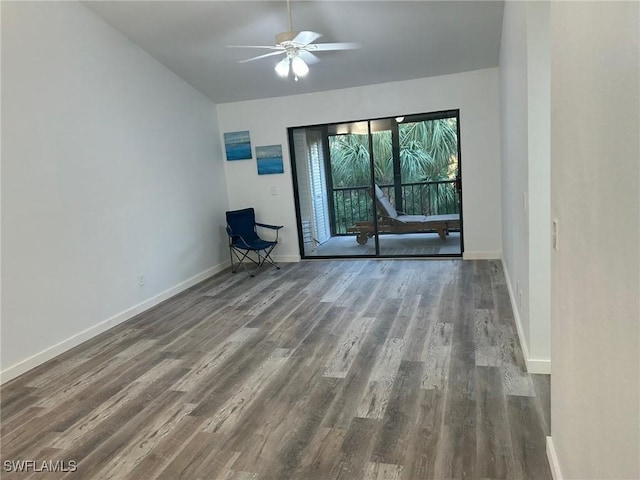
(141, 280)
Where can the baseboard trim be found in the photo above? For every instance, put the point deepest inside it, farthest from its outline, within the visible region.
(482, 255)
(75, 340)
(288, 258)
(534, 365)
(554, 465)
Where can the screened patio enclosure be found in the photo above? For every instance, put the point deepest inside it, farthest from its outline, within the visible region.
(373, 187)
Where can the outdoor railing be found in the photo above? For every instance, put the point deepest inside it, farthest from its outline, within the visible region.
(355, 204)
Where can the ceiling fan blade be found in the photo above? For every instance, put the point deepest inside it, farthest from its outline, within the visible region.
(269, 47)
(306, 37)
(316, 47)
(270, 54)
(308, 57)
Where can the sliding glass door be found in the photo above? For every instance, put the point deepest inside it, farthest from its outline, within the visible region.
(387, 187)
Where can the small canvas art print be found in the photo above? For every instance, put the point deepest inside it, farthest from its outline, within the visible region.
(269, 159)
(237, 145)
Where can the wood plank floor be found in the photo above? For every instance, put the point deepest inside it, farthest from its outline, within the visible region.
(395, 369)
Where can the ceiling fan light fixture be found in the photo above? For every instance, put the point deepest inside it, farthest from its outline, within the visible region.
(298, 66)
(282, 67)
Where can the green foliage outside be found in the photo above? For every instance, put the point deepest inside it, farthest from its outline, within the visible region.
(428, 153)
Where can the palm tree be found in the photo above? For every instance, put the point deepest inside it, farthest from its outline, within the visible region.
(350, 166)
(428, 152)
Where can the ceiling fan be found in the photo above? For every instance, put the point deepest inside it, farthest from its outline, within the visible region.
(297, 48)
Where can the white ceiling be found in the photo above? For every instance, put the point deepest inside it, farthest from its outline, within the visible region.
(400, 40)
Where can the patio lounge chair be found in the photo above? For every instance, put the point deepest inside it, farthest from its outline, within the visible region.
(392, 221)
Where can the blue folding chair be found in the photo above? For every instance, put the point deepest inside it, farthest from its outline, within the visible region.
(244, 239)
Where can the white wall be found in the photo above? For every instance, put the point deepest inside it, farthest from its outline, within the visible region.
(595, 148)
(474, 93)
(514, 136)
(111, 168)
(539, 185)
(525, 103)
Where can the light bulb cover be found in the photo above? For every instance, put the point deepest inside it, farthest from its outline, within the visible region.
(299, 67)
(282, 68)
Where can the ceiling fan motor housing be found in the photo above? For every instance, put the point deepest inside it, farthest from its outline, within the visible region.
(284, 37)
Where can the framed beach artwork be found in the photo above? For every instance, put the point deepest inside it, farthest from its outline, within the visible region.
(269, 159)
(237, 145)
